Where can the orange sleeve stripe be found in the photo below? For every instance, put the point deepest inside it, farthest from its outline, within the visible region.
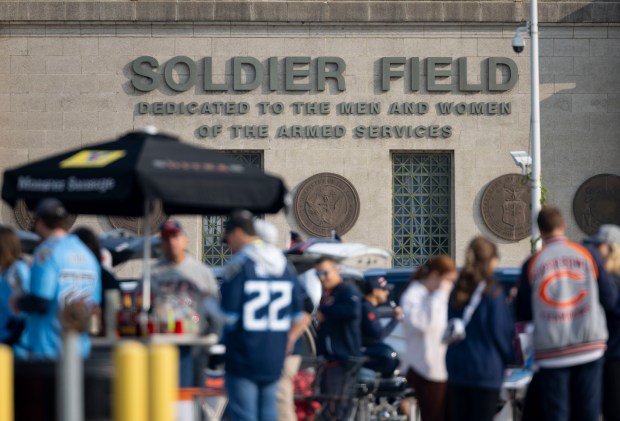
(584, 251)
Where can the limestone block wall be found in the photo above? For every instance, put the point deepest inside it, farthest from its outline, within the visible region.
(67, 84)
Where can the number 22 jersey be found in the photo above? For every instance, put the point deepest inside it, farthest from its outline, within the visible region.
(261, 298)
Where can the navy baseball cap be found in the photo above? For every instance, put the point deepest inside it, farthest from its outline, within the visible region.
(51, 207)
(171, 228)
(381, 283)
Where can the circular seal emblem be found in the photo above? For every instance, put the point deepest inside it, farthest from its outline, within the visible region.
(597, 202)
(326, 202)
(136, 225)
(506, 207)
(25, 217)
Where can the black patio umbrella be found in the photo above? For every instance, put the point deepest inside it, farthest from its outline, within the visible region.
(124, 177)
(116, 178)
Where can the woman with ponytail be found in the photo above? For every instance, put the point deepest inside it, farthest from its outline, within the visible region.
(476, 362)
(424, 304)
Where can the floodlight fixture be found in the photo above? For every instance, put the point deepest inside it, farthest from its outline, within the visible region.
(522, 159)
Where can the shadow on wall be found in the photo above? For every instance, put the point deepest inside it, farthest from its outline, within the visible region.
(580, 103)
(595, 11)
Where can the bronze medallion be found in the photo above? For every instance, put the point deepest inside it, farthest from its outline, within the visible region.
(326, 202)
(136, 224)
(597, 202)
(25, 217)
(506, 207)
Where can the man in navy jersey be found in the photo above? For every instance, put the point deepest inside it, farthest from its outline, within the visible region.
(339, 338)
(262, 304)
(377, 292)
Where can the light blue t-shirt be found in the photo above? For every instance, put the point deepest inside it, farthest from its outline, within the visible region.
(63, 269)
(16, 279)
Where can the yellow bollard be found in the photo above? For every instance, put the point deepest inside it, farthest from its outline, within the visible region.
(163, 382)
(6, 383)
(130, 390)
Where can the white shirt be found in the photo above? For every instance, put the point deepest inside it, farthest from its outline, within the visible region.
(424, 323)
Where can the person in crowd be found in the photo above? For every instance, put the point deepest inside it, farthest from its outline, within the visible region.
(477, 358)
(425, 308)
(564, 290)
(65, 285)
(607, 243)
(294, 239)
(178, 278)
(376, 292)
(339, 331)
(380, 356)
(268, 233)
(262, 304)
(184, 289)
(108, 280)
(14, 280)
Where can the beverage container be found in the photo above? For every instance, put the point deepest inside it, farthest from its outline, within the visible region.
(178, 327)
(126, 317)
(113, 305)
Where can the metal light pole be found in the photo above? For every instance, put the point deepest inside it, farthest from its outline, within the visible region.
(535, 125)
(534, 158)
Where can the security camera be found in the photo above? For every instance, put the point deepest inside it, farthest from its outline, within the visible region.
(518, 44)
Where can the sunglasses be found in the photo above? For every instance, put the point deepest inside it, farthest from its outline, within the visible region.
(320, 273)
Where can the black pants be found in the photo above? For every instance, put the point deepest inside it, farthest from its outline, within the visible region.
(338, 386)
(431, 396)
(611, 390)
(571, 393)
(532, 409)
(471, 403)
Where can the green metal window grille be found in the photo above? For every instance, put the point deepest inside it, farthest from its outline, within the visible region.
(214, 251)
(421, 207)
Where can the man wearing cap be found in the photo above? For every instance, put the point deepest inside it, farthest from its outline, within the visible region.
(177, 272)
(182, 288)
(64, 273)
(262, 303)
(377, 292)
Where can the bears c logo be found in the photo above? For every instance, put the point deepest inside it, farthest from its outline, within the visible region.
(547, 297)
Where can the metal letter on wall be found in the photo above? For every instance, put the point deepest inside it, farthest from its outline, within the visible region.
(326, 202)
(597, 202)
(506, 207)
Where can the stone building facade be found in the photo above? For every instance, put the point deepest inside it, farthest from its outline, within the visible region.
(414, 99)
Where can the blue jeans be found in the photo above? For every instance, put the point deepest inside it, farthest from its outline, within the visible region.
(251, 401)
(186, 367)
(571, 393)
